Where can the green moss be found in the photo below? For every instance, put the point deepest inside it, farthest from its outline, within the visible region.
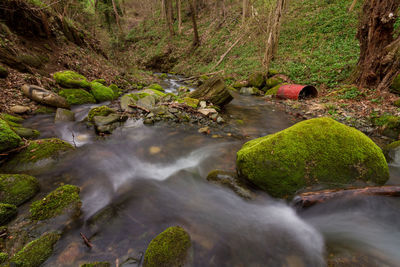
(317, 151)
(390, 149)
(257, 80)
(272, 82)
(36, 252)
(116, 90)
(102, 81)
(31, 60)
(37, 150)
(45, 110)
(168, 249)
(274, 90)
(71, 79)
(397, 103)
(11, 118)
(395, 87)
(8, 138)
(16, 189)
(191, 102)
(101, 93)
(55, 203)
(163, 76)
(77, 96)
(96, 264)
(99, 111)
(7, 213)
(157, 87)
(387, 121)
(3, 72)
(26, 132)
(3, 257)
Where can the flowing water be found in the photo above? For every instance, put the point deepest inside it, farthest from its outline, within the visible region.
(143, 179)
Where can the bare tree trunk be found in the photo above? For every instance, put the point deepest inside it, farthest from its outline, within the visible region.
(245, 10)
(353, 4)
(379, 59)
(163, 14)
(169, 16)
(196, 40)
(116, 15)
(179, 4)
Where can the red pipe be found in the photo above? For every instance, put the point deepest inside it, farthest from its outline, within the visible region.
(296, 91)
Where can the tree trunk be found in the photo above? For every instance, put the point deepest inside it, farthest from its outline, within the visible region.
(379, 53)
(245, 10)
(353, 4)
(169, 16)
(163, 12)
(196, 40)
(311, 198)
(179, 14)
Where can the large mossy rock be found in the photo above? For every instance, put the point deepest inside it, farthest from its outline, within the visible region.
(313, 152)
(395, 88)
(99, 111)
(7, 213)
(71, 79)
(63, 199)
(257, 80)
(101, 93)
(16, 189)
(168, 249)
(77, 96)
(44, 96)
(8, 138)
(35, 252)
(214, 90)
(36, 152)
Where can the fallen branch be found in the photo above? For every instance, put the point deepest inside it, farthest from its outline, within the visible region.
(86, 241)
(16, 149)
(197, 76)
(311, 198)
(227, 52)
(138, 107)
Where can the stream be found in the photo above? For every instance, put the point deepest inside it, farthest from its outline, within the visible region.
(143, 179)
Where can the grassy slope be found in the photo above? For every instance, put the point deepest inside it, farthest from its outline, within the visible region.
(317, 44)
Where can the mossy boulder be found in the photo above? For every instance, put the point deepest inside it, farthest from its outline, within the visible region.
(3, 72)
(77, 96)
(168, 249)
(102, 81)
(96, 264)
(10, 118)
(45, 110)
(390, 150)
(116, 90)
(16, 189)
(152, 92)
(7, 213)
(26, 132)
(57, 202)
(8, 138)
(101, 93)
(157, 87)
(214, 90)
(274, 90)
(71, 79)
(191, 102)
(36, 252)
(257, 79)
(240, 84)
(272, 82)
(38, 150)
(99, 111)
(319, 152)
(395, 87)
(389, 125)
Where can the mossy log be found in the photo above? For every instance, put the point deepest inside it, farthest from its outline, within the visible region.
(311, 198)
(213, 90)
(44, 96)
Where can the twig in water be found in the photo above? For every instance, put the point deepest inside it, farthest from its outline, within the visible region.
(86, 241)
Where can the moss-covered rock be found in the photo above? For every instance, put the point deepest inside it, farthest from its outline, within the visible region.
(16, 189)
(8, 138)
(389, 125)
(71, 79)
(7, 213)
(10, 118)
(390, 150)
(157, 87)
(43, 149)
(191, 102)
(45, 110)
(272, 82)
(99, 111)
(169, 249)
(154, 93)
(317, 151)
(274, 90)
(77, 96)
(26, 133)
(3, 72)
(101, 93)
(96, 264)
(257, 80)
(3, 257)
(36, 252)
(230, 180)
(116, 90)
(102, 81)
(395, 87)
(64, 198)
(240, 84)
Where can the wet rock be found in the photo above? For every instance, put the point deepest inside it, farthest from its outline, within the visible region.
(250, 91)
(154, 93)
(18, 109)
(71, 79)
(8, 138)
(16, 189)
(257, 80)
(7, 213)
(205, 130)
(391, 150)
(26, 132)
(3, 72)
(240, 84)
(100, 111)
(77, 96)
(313, 152)
(157, 87)
(147, 102)
(63, 115)
(213, 90)
(207, 111)
(183, 90)
(170, 248)
(230, 180)
(64, 198)
(70, 255)
(106, 124)
(126, 101)
(36, 252)
(148, 122)
(44, 96)
(37, 154)
(191, 102)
